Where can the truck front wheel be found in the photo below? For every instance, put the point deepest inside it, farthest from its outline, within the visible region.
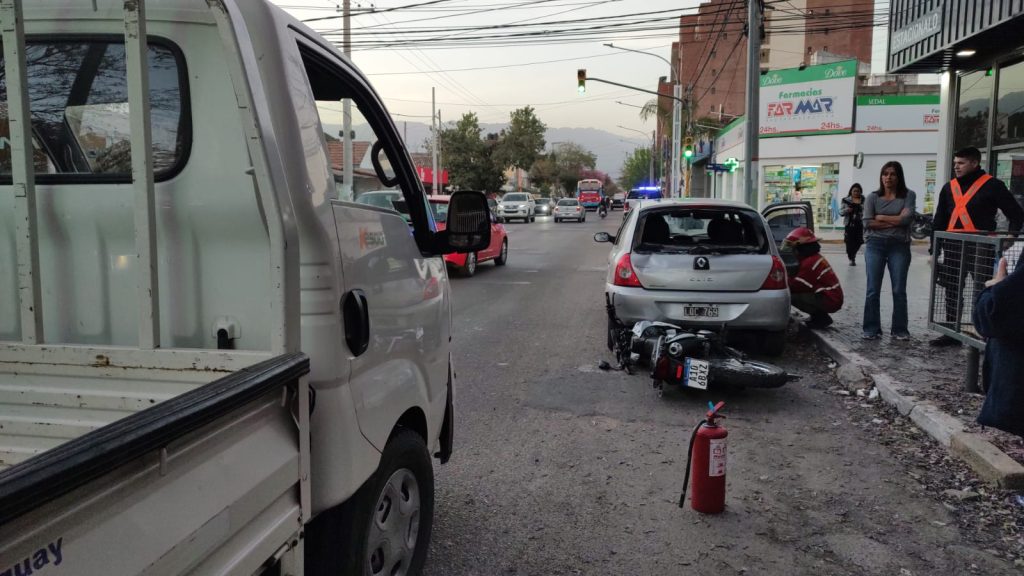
(385, 527)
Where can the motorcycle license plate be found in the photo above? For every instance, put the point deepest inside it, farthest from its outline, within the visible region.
(696, 373)
(700, 311)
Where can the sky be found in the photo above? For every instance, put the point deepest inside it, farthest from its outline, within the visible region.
(516, 74)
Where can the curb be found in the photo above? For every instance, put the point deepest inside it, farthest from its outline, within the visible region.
(988, 462)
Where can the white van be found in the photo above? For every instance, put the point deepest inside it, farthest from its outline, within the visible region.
(212, 362)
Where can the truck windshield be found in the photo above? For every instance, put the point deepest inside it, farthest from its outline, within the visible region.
(78, 96)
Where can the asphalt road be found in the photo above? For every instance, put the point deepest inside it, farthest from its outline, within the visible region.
(560, 468)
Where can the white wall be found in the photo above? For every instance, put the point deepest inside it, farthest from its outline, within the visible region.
(912, 149)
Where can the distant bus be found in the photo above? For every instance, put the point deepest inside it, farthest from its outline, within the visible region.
(590, 191)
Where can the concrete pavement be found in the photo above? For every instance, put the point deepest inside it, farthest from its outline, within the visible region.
(923, 382)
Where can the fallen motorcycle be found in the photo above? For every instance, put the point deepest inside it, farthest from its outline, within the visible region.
(691, 358)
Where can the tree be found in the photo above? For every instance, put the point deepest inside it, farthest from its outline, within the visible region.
(562, 167)
(469, 158)
(523, 141)
(636, 168)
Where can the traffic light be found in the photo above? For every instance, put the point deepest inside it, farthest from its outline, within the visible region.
(581, 80)
(688, 148)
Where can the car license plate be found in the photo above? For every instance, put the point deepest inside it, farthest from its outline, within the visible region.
(697, 373)
(700, 311)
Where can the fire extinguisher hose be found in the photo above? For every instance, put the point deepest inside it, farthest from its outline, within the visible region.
(689, 460)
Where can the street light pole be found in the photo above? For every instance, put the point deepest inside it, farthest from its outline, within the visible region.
(677, 118)
(651, 154)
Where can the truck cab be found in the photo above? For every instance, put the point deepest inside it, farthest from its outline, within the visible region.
(175, 235)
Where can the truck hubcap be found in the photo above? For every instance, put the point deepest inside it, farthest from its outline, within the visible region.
(395, 526)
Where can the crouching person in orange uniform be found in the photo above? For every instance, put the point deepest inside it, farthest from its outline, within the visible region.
(815, 288)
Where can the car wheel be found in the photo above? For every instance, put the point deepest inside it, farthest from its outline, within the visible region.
(772, 343)
(502, 258)
(385, 527)
(470, 268)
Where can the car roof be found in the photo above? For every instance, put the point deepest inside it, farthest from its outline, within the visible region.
(695, 202)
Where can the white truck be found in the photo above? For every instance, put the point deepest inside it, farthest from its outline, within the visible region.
(211, 360)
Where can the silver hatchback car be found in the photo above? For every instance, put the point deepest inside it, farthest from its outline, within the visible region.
(704, 263)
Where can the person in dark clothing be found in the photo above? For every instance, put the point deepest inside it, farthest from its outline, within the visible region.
(853, 222)
(998, 316)
(968, 203)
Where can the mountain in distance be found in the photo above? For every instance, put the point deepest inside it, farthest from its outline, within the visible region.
(611, 149)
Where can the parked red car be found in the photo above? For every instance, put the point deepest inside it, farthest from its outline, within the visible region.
(467, 263)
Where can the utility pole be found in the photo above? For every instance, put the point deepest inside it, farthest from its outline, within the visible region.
(433, 127)
(440, 152)
(753, 88)
(677, 120)
(348, 184)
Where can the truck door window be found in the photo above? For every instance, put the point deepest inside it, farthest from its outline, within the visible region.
(78, 94)
(330, 94)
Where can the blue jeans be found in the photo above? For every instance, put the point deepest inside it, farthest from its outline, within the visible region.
(879, 254)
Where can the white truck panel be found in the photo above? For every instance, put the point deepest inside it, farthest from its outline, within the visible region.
(229, 486)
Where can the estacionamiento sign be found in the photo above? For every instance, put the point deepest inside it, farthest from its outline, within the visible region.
(924, 27)
(815, 100)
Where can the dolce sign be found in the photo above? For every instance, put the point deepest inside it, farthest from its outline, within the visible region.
(924, 27)
(815, 100)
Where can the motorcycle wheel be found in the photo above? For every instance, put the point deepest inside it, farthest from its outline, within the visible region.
(747, 373)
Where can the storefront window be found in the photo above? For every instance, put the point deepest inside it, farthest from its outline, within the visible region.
(974, 104)
(1010, 169)
(815, 184)
(1010, 105)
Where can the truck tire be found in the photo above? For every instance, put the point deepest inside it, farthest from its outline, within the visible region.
(385, 527)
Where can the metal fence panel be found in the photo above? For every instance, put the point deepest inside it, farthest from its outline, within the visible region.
(962, 263)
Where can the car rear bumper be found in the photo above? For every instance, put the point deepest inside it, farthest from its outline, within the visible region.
(455, 259)
(761, 310)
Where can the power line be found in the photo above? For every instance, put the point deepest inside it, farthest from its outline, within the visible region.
(512, 65)
(336, 16)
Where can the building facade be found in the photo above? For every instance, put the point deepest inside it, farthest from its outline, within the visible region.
(822, 130)
(712, 48)
(976, 47)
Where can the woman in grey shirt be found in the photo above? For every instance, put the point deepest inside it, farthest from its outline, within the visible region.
(888, 213)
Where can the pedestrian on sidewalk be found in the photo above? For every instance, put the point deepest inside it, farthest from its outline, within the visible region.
(853, 221)
(968, 203)
(998, 316)
(815, 288)
(888, 213)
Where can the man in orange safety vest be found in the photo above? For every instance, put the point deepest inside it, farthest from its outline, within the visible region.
(969, 203)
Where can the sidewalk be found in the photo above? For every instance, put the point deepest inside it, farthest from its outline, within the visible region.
(924, 382)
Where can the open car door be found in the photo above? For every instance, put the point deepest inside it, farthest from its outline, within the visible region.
(782, 219)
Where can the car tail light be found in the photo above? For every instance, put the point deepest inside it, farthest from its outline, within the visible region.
(776, 279)
(624, 274)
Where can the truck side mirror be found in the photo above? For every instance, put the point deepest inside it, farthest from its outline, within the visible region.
(468, 226)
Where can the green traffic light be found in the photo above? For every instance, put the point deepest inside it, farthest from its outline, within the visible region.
(582, 88)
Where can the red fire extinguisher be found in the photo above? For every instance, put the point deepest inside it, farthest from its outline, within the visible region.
(707, 457)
